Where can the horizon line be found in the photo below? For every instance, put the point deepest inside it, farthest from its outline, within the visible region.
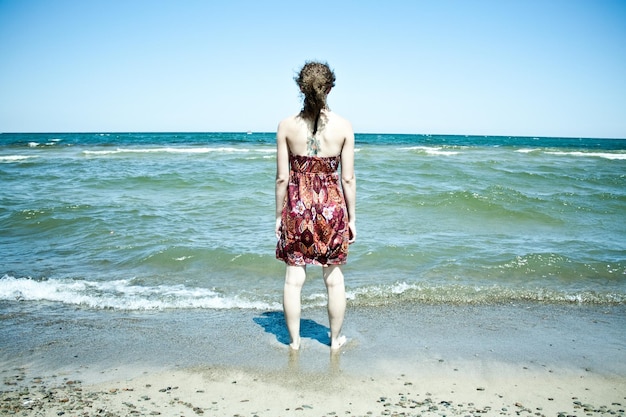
(249, 132)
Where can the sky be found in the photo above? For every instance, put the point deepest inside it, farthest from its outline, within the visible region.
(470, 67)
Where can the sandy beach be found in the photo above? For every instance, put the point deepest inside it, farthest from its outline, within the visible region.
(405, 361)
(236, 392)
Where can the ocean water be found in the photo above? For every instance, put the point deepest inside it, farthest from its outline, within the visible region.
(154, 221)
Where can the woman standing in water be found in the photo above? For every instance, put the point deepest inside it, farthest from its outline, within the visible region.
(315, 207)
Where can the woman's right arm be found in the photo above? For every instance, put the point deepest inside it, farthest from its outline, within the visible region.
(282, 172)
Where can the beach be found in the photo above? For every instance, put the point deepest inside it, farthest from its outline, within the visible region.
(526, 359)
(139, 277)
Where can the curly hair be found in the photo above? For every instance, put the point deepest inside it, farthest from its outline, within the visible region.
(315, 80)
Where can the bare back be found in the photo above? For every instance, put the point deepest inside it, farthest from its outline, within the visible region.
(333, 131)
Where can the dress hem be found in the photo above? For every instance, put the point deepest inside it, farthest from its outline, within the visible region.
(312, 262)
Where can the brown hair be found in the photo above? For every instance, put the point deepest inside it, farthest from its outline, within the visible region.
(315, 80)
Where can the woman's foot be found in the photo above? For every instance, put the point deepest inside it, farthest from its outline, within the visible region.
(338, 343)
(295, 345)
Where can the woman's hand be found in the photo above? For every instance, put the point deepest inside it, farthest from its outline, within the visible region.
(279, 223)
(352, 228)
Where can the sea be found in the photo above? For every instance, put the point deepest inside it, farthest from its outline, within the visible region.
(147, 222)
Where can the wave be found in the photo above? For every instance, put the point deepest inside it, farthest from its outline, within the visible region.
(122, 295)
(495, 203)
(606, 155)
(430, 150)
(175, 150)
(130, 296)
(51, 142)
(445, 151)
(15, 158)
(402, 292)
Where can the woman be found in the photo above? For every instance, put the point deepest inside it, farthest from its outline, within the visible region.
(315, 214)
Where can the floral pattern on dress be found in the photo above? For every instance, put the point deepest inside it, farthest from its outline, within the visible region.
(314, 226)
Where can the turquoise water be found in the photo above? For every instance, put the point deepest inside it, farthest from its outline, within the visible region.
(178, 221)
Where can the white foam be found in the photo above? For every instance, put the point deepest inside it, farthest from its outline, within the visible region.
(122, 295)
(473, 294)
(171, 150)
(606, 155)
(14, 158)
(430, 150)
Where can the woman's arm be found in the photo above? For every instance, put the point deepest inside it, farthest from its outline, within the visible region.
(348, 179)
(282, 172)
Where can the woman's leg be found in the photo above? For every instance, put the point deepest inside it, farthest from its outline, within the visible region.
(294, 280)
(333, 278)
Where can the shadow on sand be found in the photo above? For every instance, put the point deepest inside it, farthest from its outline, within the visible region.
(274, 322)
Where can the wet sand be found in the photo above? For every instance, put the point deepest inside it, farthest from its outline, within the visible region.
(400, 360)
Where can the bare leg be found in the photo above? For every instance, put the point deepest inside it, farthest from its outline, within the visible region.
(333, 278)
(294, 280)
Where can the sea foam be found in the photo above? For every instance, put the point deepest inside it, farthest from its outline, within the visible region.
(122, 295)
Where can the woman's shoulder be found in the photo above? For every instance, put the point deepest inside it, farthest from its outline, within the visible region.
(336, 117)
(338, 122)
(289, 123)
(289, 120)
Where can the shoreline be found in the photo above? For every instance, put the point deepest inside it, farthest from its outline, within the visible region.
(528, 359)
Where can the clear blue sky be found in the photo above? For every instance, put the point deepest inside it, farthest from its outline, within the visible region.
(501, 67)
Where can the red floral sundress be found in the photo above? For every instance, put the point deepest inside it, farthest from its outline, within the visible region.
(314, 218)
